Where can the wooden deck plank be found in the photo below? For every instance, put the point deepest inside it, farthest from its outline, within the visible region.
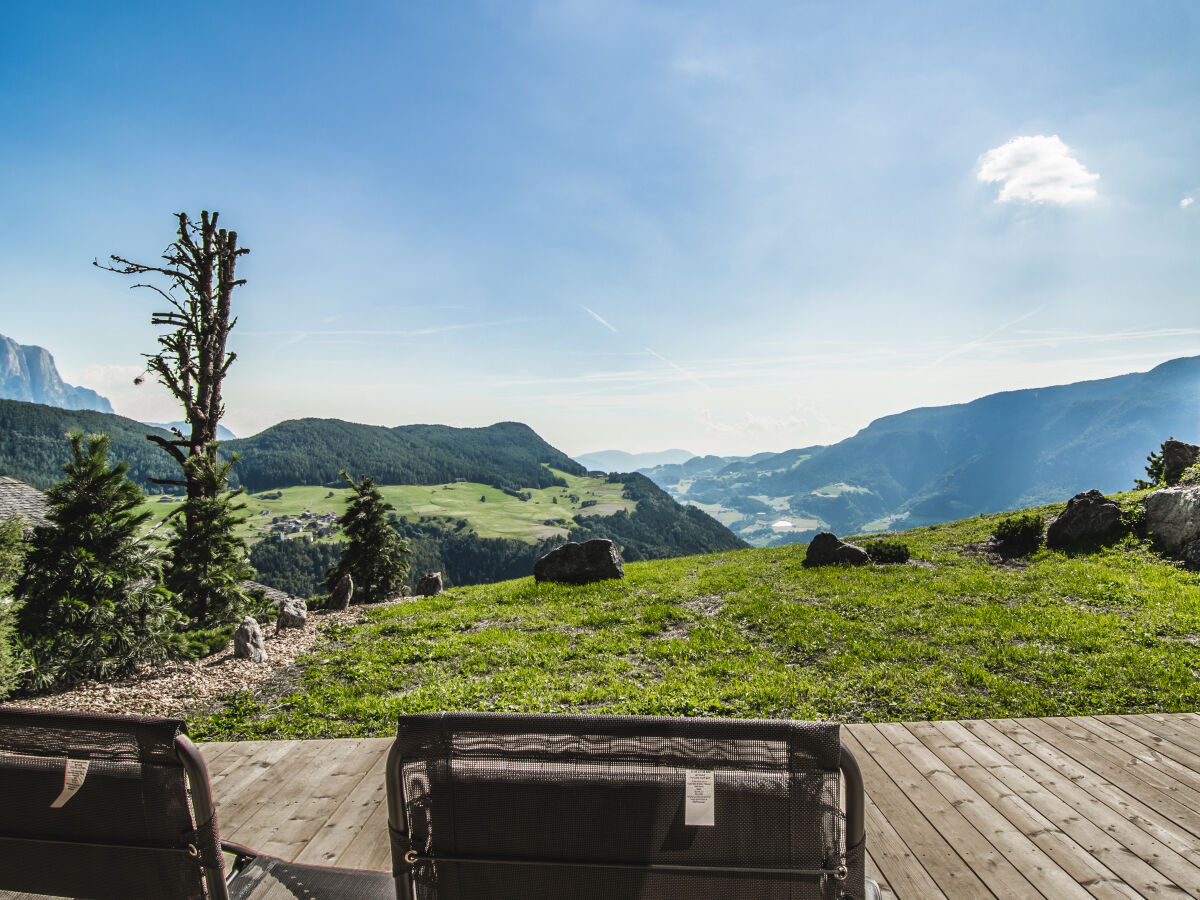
(905, 876)
(1155, 742)
(886, 743)
(1137, 777)
(1092, 824)
(331, 784)
(1176, 731)
(1109, 805)
(1130, 807)
(1184, 778)
(298, 790)
(1053, 862)
(938, 857)
(348, 818)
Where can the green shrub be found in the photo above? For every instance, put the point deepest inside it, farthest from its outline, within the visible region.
(92, 605)
(10, 565)
(886, 551)
(1020, 534)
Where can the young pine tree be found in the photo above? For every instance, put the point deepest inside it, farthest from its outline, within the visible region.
(208, 559)
(91, 602)
(374, 556)
(10, 566)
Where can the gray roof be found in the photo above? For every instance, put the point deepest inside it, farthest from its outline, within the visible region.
(20, 501)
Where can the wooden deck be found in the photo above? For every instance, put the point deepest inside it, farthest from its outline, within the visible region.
(1105, 806)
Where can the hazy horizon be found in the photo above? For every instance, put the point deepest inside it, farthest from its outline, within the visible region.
(629, 225)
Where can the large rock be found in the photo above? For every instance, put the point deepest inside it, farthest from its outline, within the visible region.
(595, 560)
(293, 613)
(342, 592)
(1177, 457)
(827, 550)
(248, 642)
(1173, 517)
(430, 585)
(1090, 517)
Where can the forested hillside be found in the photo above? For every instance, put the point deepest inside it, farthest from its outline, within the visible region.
(312, 451)
(33, 444)
(508, 455)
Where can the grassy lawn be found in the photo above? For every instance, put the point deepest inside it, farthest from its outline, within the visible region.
(499, 515)
(754, 634)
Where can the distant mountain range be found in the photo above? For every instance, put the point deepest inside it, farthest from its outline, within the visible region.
(620, 461)
(28, 373)
(937, 464)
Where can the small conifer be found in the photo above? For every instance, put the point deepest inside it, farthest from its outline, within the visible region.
(92, 605)
(374, 556)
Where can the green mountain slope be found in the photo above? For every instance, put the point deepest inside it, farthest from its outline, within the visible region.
(33, 445)
(1000, 452)
(756, 634)
(312, 451)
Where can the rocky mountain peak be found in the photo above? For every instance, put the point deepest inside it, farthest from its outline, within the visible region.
(28, 373)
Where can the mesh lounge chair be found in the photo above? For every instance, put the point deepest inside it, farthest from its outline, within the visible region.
(119, 808)
(501, 807)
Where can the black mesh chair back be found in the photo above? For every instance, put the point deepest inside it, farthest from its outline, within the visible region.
(97, 806)
(494, 806)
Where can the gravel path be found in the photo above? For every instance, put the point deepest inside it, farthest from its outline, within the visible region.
(178, 689)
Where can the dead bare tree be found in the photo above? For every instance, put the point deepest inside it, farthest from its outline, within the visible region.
(192, 360)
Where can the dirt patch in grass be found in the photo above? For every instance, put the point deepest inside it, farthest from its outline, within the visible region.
(989, 552)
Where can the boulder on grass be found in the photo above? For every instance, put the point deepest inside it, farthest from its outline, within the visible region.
(293, 613)
(1089, 518)
(595, 560)
(1173, 517)
(430, 585)
(1177, 457)
(248, 642)
(342, 592)
(827, 550)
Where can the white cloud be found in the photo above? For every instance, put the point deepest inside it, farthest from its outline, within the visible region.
(1186, 202)
(1037, 169)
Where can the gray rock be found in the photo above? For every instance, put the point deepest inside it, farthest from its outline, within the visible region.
(293, 613)
(1173, 517)
(1090, 517)
(248, 642)
(342, 593)
(1177, 456)
(827, 550)
(595, 560)
(1190, 555)
(430, 585)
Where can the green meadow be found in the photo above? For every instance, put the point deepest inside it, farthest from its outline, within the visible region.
(952, 634)
(491, 512)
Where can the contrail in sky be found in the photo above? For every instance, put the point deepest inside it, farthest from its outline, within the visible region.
(595, 315)
(678, 368)
(969, 345)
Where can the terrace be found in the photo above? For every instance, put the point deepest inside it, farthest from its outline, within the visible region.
(1053, 807)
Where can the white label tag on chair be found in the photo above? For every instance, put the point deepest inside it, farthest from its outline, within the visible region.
(72, 781)
(699, 802)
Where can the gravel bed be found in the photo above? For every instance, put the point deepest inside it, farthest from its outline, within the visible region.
(177, 689)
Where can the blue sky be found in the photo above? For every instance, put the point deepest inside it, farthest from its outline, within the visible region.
(723, 227)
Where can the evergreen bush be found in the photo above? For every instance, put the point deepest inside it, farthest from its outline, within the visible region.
(1020, 534)
(92, 605)
(207, 557)
(886, 551)
(10, 565)
(374, 556)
